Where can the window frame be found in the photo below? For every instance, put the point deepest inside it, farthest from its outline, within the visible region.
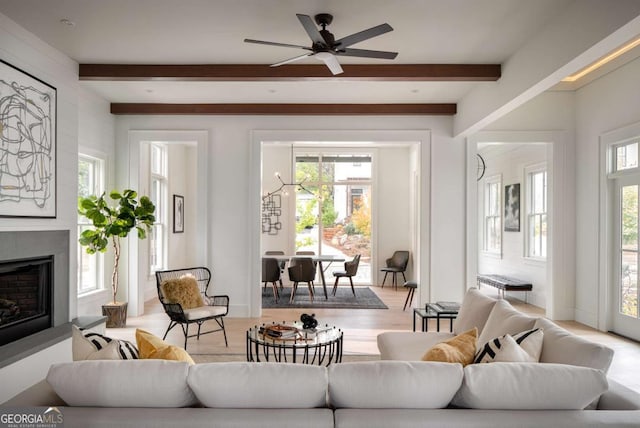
(162, 205)
(529, 172)
(494, 180)
(99, 168)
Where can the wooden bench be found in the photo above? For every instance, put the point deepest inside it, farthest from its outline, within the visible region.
(505, 283)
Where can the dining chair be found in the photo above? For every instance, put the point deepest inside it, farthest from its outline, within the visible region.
(350, 270)
(281, 263)
(271, 274)
(302, 269)
(396, 264)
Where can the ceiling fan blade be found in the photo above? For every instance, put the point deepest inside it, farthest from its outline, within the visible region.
(284, 45)
(311, 29)
(287, 61)
(366, 53)
(330, 61)
(363, 35)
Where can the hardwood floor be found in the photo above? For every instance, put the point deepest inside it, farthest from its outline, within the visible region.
(361, 327)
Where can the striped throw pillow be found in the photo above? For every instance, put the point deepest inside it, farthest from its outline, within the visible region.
(89, 345)
(530, 341)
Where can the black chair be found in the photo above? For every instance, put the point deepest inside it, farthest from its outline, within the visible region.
(271, 274)
(350, 270)
(302, 269)
(395, 265)
(215, 307)
(411, 285)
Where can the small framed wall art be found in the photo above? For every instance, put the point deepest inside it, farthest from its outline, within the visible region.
(178, 214)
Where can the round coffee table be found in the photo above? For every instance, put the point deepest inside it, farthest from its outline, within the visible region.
(321, 346)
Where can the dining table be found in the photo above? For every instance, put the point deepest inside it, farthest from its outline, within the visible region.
(320, 259)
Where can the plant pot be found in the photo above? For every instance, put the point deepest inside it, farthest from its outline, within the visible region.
(116, 314)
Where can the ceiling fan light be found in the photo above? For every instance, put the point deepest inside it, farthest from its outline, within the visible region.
(322, 56)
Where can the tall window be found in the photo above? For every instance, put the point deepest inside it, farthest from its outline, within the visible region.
(158, 177)
(492, 215)
(91, 178)
(536, 211)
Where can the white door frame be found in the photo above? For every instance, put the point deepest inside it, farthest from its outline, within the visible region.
(421, 138)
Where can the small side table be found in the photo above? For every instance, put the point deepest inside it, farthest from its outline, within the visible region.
(433, 312)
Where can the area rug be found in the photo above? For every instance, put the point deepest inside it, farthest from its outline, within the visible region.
(365, 298)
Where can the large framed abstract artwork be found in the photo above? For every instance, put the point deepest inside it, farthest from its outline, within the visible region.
(27, 145)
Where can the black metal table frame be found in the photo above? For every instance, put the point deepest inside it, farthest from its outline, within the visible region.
(426, 315)
(287, 350)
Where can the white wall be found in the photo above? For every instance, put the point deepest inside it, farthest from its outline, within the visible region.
(229, 163)
(510, 165)
(81, 117)
(606, 104)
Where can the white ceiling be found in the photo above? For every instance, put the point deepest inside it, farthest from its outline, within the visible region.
(212, 32)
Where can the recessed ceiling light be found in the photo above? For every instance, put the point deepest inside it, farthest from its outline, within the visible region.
(415, 91)
(67, 22)
(272, 91)
(150, 91)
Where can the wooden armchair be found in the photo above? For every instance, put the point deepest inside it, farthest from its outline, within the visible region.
(184, 311)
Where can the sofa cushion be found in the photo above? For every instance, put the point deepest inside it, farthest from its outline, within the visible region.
(460, 349)
(529, 386)
(154, 348)
(504, 319)
(561, 346)
(393, 384)
(123, 383)
(183, 290)
(259, 385)
(474, 311)
(502, 348)
(89, 345)
(408, 346)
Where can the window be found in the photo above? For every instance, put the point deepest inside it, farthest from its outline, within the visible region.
(536, 212)
(492, 218)
(90, 182)
(626, 156)
(158, 233)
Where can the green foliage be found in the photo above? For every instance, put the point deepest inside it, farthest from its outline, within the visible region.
(630, 215)
(307, 218)
(350, 229)
(329, 214)
(115, 221)
(361, 219)
(304, 242)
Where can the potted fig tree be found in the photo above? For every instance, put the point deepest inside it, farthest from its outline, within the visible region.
(112, 222)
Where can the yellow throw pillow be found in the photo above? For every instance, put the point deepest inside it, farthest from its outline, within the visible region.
(151, 347)
(459, 349)
(183, 290)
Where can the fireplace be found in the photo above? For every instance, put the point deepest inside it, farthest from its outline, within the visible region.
(25, 297)
(34, 290)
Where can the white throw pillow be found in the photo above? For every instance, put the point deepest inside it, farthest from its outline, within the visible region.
(474, 311)
(504, 319)
(529, 341)
(122, 383)
(89, 345)
(393, 384)
(259, 385)
(511, 352)
(561, 346)
(529, 386)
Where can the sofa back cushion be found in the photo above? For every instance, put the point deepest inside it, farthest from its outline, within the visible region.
(562, 347)
(529, 386)
(474, 311)
(393, 384)
(259, 385)
(504, 319)
(122, 383)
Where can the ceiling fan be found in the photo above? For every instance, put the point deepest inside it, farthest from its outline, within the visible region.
(325, 47)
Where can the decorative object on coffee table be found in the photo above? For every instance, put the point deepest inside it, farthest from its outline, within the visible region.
(308, 321)
(110, 223)
(291, 343)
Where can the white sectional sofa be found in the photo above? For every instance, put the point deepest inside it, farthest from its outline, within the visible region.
(156, 393)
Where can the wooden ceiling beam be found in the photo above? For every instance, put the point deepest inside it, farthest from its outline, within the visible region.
(262, 72)
(283, 109)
